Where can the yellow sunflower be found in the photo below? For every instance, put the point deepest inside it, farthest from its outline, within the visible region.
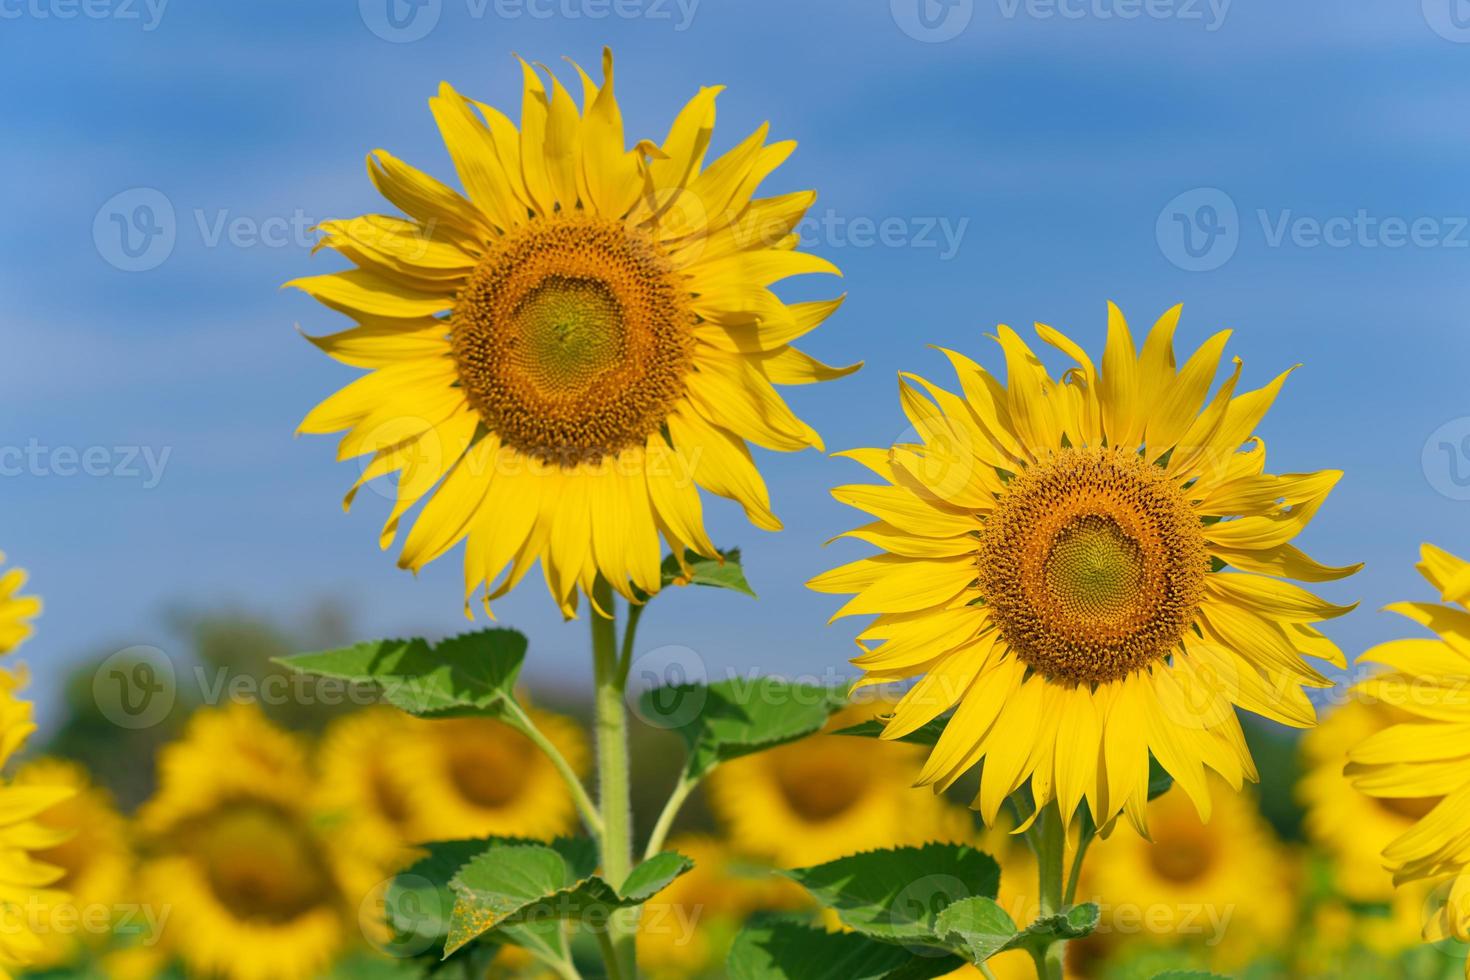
(1224, 889)
(392, 781)
(1420, 762)
(1056, 555)
(28, 883)
(253, 889)
(95, 857)
(561, 357)
(16, 611)
(1348, 826)
(830, 795)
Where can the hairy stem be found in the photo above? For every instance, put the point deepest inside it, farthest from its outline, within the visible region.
(613, 776)
(521, 722)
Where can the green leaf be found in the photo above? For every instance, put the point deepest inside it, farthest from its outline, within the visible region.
(1187, 975)
(731, 718)
(474, 673)
(724, 572)
(897, 895)
(519, 885)
(927, 734)
(419, 903)
(1159, 780)
(1073, 923)
(977, 925)
(780, 948)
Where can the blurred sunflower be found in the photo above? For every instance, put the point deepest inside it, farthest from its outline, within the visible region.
(255, 891)
(95, 858)
(560, 357)
(1224, 888)
(1422, 762)
(1054, 567)
(16, 610)
(1350, 827)
(392, 781)
(829, 795)
(28, 883)
(686, 929)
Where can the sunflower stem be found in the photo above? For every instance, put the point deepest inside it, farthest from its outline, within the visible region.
(671, 809)
(1049, 838)
(630, 632)
(613, 777)
(522, 722)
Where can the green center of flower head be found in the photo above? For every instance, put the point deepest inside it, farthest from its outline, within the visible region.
(260, 864)
(571, 333)
(1092, 565)
(573, 338)
(1094, 571)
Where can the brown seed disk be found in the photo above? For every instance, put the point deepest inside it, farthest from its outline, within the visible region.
(573, 338)
(1093, 565)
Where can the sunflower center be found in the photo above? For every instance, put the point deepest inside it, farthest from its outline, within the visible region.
(260, 865)
(572, 338)
(1182, 858)
(820, 786)
(1093, 565)
(489, 768)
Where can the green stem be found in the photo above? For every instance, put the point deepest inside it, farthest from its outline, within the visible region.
(681, 792)
(635, 613)
(613, 776)
(1075, 875)
(1049, 838)
(521, 722)
(609, 954)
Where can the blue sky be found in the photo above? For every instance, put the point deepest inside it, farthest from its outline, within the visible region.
(1046, 157)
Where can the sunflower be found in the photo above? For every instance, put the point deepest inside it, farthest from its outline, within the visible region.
(823, 797)
(28, 882)
(1419, 764)
(1351, 828)
(393, 781)
(1223, 888)
(1055, 566)
(561, 357)
(95, 857)
(16, 611)
(255, 890)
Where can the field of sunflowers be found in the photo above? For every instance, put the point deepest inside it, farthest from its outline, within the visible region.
(1095, 697)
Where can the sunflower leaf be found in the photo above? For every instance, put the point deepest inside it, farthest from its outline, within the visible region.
(724, 572)
(419, 903)
(470, 674)
(897, 895)
(783, 948)
(735, 717)
(927, 734)
(1073, 923)
(1159, 780)
(977, 925)
(520, 886)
